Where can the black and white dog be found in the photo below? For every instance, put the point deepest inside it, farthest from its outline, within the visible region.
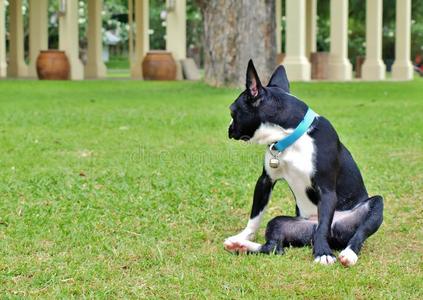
(333, 209)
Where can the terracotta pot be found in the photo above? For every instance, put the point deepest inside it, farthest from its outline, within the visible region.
(53, 65)
(319, 65)
(159, 65)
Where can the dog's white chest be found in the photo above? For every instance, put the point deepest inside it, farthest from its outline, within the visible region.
(296, 166)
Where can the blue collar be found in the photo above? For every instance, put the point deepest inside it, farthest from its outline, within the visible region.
(297, 133)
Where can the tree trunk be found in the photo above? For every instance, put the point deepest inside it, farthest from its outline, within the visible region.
(234, 32)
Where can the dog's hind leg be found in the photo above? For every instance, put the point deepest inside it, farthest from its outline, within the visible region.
(353, 229)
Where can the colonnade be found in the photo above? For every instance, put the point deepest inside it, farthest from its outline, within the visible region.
(69, 36)
(301, 28)
(301, 18)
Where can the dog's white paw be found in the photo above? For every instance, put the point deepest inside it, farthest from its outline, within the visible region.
(235, 246)
(347, 257)
(242, 246)
(325, 259)
(235, 242)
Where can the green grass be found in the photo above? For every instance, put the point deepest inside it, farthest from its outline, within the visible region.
(127, 189)
(118, 62)
(118, 73)
(118, 67)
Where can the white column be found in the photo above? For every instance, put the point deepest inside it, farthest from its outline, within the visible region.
(141, 9)
(311, 27)
(17, 66)
(295, 62)
(69, 39)
(373, 67)
(278, 7)
(176, 41)
(402, 69)
(176, 30)
(95, 67)
(339, 66)
(38, 32)
(3, 64)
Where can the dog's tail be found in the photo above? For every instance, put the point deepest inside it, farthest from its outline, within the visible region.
(271, 247)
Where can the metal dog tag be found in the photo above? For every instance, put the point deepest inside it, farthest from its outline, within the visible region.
(274, 163)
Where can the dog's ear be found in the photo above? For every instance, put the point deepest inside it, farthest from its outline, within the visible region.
(280, 79)
(253, 83)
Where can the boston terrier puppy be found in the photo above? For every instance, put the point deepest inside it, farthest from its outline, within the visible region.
(333, 209)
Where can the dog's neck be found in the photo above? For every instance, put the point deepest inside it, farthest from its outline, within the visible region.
(269, 133)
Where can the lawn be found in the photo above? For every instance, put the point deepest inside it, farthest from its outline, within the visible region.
(127, 189)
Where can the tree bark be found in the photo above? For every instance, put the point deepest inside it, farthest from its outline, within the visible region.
(234, 32)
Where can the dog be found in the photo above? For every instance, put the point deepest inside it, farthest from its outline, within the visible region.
(333, 209)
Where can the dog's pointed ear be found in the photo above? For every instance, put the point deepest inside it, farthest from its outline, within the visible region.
(253, 83)
(280, 79)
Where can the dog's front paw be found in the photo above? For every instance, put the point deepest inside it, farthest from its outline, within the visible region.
(236, 246)
(232, 243)
(325, 259)
(323, 255)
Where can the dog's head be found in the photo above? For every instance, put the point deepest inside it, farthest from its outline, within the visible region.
(256, 104)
